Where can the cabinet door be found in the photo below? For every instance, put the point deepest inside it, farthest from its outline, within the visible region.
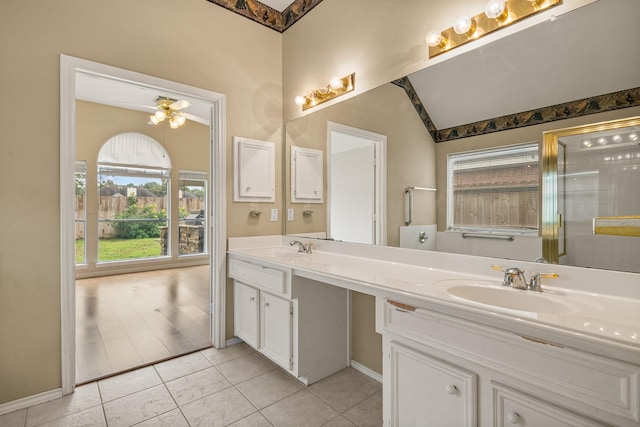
(275, 337)
(515, 409)
(245, 313)
(429, 392)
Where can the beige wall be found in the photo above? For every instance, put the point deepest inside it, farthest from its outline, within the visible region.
(193, 42)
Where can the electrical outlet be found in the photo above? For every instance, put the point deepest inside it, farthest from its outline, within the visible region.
(274, 215)
(289, 214)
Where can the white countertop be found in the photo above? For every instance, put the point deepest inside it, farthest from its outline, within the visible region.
(606, 323)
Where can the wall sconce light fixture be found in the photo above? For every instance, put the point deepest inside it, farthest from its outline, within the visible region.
(497, 14)
(333, 89)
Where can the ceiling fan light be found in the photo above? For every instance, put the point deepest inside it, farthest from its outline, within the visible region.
(160, 115)
(181, 120)
(154, 120)
(173, 124)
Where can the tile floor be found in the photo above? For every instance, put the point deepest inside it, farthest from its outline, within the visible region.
(235, 386)
(130, 320)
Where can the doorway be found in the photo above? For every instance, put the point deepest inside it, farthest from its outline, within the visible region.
(71, 69)
(357, 211)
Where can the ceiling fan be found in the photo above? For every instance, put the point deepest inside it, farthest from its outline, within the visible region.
(168, 108)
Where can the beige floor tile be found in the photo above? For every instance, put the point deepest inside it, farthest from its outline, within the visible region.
(367, 413)
(253, 420)
(197, 385)
(84, 397)
(128, 383)
(340, 421)
(92, 417)
(168, 419)
(226, 354)
(219, 409)
(139, 406)
(345, 389)
(181, 366)
(14, 419)
(244, 368)
(269, 388)
(300, 409)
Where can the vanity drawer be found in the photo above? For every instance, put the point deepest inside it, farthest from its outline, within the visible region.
(596, 386)
(258, 275)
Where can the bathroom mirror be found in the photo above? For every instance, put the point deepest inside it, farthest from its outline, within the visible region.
(548, 64)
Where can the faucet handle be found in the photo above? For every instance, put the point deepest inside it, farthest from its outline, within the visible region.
(536, 285)
(509, 275)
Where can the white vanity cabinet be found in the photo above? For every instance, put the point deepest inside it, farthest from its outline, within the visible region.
(446, 371)
(298, 323)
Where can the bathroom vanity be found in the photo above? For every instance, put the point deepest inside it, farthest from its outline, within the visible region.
(459, 349)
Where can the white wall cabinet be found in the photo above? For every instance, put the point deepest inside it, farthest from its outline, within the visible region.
(254, 177)
(302, 325)
(307, 177)
(495, 378)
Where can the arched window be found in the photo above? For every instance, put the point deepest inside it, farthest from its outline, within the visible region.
(133, 183)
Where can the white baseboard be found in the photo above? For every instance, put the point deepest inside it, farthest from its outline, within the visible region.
(368, 372)
(28, 401)
(232, 341)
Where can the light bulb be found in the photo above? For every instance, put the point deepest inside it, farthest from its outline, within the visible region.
(586, 143)
(602, 141)
(154, 120)
(633, 136)
(464, 25)
(435, 38)
(300, 100)
(336, 83)
(181, 120)
(173, 124)
(161, 115)
(616, 138)
(495, 9)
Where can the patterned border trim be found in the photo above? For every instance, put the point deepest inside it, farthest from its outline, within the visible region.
(582, 107)
(267, 16)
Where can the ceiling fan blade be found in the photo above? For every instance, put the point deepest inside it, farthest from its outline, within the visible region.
(178, 105)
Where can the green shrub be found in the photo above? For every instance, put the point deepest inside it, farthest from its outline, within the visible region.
(142, 229)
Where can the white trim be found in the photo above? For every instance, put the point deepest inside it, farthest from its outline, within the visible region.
(368, 372)
(233, 341)
(69, 67)
(26, 402)
(380, 144)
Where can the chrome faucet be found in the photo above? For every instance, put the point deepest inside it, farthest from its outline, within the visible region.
(514, 277)
(301, 246)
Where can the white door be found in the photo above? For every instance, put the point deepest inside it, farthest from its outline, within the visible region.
(429, 392)
(275, 337)
(245, 313)
(357, 186)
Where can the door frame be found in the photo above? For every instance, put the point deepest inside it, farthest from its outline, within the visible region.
(69, 66)
(380, 176)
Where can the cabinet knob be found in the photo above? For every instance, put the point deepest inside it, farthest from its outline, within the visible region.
(252, 299)
(451, 389)
(266, 304)
(513, 417)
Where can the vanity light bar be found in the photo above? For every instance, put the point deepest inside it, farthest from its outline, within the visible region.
(498, 14)
(331, 90)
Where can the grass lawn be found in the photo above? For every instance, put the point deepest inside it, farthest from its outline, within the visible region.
(120, 249)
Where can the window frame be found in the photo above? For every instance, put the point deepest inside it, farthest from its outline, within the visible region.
(196, 176)
(532, 146)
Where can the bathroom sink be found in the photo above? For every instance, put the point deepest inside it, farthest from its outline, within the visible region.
(487, 293)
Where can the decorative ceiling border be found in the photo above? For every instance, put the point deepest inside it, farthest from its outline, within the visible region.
(582, 107)
(268, 16)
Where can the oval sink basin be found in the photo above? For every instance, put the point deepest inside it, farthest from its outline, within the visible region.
(509, 298)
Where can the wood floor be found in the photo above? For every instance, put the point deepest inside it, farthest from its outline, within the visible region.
(131, 320)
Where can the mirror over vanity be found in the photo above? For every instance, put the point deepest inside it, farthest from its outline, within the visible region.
(565, 85)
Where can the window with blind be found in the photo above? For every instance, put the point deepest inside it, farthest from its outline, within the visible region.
(494, 190)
